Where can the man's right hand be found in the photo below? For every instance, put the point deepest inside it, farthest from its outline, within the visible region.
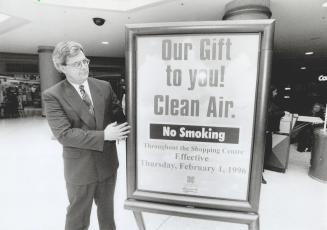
(114, 132)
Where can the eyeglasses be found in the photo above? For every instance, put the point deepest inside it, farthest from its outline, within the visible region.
(79, 64)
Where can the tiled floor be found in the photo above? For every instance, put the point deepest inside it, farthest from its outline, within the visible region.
(33, 194)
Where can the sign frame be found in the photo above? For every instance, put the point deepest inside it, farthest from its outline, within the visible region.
(266, 29)
(249, 219)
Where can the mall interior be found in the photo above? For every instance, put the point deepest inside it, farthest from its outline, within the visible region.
(33, 195)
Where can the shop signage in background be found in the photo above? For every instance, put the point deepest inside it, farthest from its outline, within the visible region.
(322, 78)
(195, 115)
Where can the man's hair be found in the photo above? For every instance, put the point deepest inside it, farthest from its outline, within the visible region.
(64, 50)
(272, 88)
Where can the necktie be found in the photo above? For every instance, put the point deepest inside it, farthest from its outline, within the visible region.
(86, 99)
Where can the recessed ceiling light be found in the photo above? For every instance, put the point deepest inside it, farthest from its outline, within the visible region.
(324, 4)
(303, 67)
(105, 43)
(309, 53)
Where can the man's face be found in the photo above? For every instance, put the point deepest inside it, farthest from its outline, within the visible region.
(76, 68)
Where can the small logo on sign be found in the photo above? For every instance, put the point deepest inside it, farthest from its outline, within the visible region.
(190, 179)
(190, 186)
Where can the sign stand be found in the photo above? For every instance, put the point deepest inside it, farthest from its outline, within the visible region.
(250, 219)
(197, 96)
(138, 217)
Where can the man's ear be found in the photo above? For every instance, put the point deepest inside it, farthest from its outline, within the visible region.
(62, 68)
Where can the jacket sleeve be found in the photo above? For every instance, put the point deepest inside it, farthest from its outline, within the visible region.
(63, 131)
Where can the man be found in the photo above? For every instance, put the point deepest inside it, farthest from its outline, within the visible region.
(275, 113)
(83, 113)
(306, 133)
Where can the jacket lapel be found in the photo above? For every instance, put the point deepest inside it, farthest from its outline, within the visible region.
(98, 102)
(78, 105)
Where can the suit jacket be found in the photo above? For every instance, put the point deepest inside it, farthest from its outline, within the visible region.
(275, 113)
(87, 157)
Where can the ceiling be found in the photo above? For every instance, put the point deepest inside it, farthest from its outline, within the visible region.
(301, 26)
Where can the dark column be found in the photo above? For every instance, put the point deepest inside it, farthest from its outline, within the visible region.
(48, 74)
(247, 10)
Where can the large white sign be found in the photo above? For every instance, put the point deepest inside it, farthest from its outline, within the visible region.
(195, 113)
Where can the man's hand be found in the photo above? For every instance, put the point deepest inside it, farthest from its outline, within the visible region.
(115, 132)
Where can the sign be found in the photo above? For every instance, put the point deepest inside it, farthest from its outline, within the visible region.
(196, 97)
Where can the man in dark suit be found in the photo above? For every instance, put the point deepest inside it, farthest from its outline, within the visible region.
(83, 113)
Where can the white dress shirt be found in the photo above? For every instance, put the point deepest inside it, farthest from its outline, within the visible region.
(86, 88)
